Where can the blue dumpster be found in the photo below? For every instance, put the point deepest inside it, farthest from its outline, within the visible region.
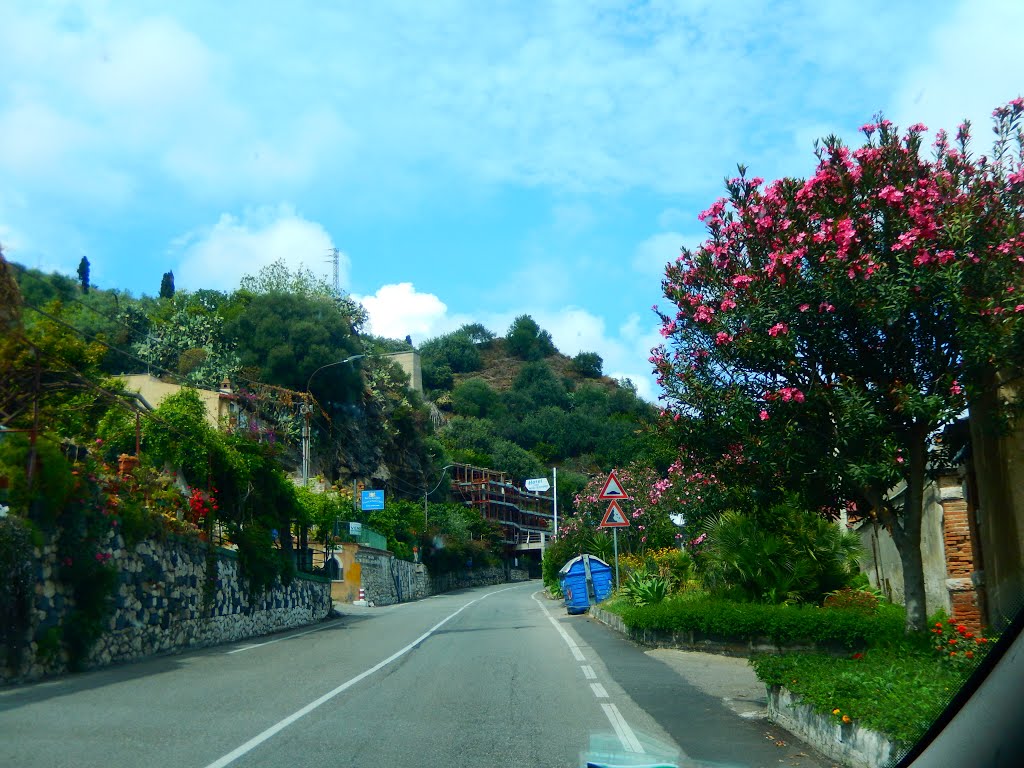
(585, 579)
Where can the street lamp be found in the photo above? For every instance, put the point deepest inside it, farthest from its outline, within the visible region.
(306, 410)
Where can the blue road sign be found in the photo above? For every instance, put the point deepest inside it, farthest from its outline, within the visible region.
(371, 500)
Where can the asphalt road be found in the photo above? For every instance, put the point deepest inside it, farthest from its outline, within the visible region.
(486, 677)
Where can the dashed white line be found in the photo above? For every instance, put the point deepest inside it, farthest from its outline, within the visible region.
(255, 741)
(625, 734)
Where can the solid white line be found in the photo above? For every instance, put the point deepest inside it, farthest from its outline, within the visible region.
(629, 740)
(255, 741)
(576, 652)
(588, 672)
(278, 640)
(599, 690)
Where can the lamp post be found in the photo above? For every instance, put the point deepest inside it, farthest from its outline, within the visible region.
(306, 410)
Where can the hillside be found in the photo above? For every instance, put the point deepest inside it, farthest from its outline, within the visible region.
(517, 404)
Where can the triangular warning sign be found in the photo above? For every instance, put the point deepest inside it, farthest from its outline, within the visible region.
(613, 488)
(614, 518)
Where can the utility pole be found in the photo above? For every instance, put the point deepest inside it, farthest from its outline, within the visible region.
(335, 260)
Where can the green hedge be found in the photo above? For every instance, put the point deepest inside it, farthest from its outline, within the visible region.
(783, 624)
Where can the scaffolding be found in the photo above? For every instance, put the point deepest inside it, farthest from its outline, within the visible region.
(522, 514)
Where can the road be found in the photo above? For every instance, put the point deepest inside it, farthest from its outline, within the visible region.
(486, 677)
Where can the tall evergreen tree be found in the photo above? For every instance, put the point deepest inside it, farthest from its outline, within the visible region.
(167, 286)
(83, 273)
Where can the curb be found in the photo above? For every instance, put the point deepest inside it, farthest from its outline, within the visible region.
(850, 744)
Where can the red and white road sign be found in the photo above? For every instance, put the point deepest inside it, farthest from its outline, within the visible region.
(614, 518)
(613, 488)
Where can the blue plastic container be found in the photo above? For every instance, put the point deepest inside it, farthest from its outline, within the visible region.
(585, 580)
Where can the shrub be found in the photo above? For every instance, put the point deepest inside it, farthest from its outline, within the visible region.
(853, 599)
(785, 555)
(643, 588)
(954, 644)
(588, 364)
(782, 624)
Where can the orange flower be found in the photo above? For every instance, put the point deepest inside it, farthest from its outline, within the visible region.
(952, 653)
(846, 718)
(835, 711)
(969, 654)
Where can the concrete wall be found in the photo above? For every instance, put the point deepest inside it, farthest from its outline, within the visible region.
(882, 560)
(159, 605)
(410, 363)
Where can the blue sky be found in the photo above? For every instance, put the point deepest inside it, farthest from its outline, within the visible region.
(473, 160)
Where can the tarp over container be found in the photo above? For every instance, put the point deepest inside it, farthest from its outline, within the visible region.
(585, 580)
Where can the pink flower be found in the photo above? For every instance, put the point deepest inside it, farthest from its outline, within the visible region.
(703, 314)
(778, 328)
(804, 307)
(826, 307)
(956, 389)
(723, 338)
(742, 281)
(1019, 308)
(899, 459)
(764, 415)
(728, 304)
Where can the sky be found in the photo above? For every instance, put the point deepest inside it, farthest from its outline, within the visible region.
(471, 161)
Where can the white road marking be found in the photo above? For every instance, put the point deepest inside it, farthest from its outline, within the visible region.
(278, 640)
(629, 740)
(626, 736)
(576, 652)
(255, 741)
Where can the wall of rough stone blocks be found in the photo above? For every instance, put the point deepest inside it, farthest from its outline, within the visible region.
(387, 579)
(159, 606)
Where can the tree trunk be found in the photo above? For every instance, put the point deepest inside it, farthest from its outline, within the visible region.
(907, 535)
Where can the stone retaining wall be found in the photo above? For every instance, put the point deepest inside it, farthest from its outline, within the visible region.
(159, 606)
(387, 579)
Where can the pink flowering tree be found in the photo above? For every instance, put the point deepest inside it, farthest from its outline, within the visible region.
(835, 325)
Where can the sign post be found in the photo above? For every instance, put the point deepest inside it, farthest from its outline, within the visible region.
(614, 518)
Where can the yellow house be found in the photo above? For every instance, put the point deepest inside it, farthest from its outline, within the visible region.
(218, 404)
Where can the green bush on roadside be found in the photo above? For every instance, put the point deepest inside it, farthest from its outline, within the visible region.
(782, 624)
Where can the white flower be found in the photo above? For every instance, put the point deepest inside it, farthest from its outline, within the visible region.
(4, 510)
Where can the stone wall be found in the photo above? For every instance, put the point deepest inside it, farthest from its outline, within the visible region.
(387, 580)
(159, 606)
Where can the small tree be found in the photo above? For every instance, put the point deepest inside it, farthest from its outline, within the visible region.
(167, 286)
(527, 341)
(588, 364)
(83, 274)
(870, 303)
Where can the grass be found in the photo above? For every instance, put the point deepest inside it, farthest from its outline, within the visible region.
(898, 692)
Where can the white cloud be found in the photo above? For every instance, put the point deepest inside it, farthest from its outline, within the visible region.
(398, 310)
(651, 256)
(972, 65)
(219, 256)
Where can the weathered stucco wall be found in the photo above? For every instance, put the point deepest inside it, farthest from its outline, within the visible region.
(882, 560)
(159, 606)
